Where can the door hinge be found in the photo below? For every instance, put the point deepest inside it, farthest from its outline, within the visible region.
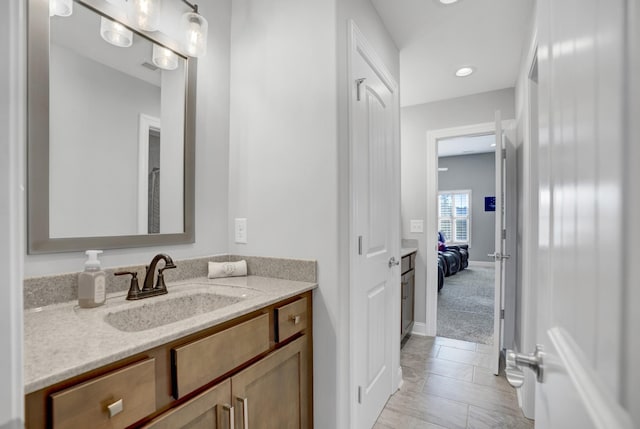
(358, 83)
(359, 394)
(502, 314)
(359, 245)
(504, 154)
(504, 234)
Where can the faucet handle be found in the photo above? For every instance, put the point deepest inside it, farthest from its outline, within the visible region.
(134, 289)
(160, 285)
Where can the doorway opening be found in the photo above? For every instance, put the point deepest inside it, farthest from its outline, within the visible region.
(503, 247)
(466, 231)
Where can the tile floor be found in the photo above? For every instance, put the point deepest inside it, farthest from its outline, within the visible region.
(447, 384)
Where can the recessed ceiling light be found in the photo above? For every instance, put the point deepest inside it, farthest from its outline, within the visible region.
(448, 1)
(493, 145)
(443, 168)
(465, 71)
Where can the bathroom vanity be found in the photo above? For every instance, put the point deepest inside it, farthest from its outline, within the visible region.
(223, 353)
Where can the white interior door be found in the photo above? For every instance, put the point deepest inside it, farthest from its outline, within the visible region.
(499, 254)
(376, 276)
(585, 364)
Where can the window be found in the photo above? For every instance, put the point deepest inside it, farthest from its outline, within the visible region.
(454, 208)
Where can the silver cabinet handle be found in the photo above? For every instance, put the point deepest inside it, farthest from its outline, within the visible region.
(295, 319)
(115, 408)
(497, 255)
(244, 402)
(229, 409)
(393, 262)
(533, 361)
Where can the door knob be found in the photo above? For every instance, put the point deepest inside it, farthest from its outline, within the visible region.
(393, 262)
(533, 361)
(498, 255)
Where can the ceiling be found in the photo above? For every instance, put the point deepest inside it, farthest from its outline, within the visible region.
(466, 145)
(436, 39)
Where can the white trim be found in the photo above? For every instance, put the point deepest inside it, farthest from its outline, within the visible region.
(12, 221)
(419, 329)
(529, 197)
(359, 44)
(145, 123)
(599, 402)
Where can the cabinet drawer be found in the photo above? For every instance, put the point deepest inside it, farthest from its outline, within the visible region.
(197, 363)
(114, 400)
(406, 264)
(291, 319)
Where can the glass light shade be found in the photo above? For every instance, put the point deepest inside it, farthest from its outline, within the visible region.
(115, 33)
(196, 28)
(164, 58)
(60, 7)
(145, 14)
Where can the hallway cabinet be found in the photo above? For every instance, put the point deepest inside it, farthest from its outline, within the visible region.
(408, 263)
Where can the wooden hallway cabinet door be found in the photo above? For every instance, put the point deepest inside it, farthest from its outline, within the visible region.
(209, 410)
(275, 392)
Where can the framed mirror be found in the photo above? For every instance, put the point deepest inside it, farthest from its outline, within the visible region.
(111, 121)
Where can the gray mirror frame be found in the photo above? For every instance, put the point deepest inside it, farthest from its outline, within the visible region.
(39, 240)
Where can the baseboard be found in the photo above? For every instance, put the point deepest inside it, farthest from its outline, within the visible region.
(482, 263)
(420, 329)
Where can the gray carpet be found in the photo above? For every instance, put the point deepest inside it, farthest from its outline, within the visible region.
(465, 305)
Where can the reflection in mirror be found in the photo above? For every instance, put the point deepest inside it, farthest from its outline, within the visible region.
(118, 148)
(97, 94)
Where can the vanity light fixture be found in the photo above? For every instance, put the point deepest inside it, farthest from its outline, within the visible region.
(465, 71)
(145, 14)
(60, 7)
(196, 28)
(115, 33)
(164, 58)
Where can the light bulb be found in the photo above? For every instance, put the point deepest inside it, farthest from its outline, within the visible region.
(115, 33)
(196, 28)
(164, 58)
(145, 14)
(60, 7)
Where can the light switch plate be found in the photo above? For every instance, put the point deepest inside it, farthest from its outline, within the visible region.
(417, 225)
(241, 230)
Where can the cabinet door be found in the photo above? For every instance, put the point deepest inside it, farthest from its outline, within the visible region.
(275, 392)
(209, 410)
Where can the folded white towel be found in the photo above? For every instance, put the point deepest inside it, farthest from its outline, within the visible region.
(227, 269)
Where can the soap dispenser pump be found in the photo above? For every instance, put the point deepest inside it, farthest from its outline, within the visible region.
(92, 282)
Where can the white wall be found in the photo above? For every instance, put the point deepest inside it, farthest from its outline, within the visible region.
(289, 158)
(212, 135)
(416, 121)
(283, 157)
(12, 149)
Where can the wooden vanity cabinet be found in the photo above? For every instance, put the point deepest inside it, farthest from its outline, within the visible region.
(408, 280)
(273, 392)
(246, 378)
(210, 410)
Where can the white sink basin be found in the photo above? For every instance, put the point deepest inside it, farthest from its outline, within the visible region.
(163, 310)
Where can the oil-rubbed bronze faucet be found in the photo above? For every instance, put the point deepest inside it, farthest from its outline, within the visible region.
(151, 272)
(148, 289)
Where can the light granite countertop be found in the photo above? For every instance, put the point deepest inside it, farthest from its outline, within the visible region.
(407, 251)
(64, 340)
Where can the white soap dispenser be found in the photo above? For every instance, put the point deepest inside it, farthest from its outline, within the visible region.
(92, 282)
